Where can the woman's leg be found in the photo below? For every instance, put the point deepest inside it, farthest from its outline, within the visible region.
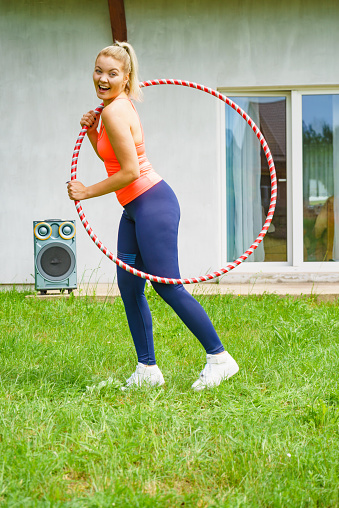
(156, 214)
(132, 292)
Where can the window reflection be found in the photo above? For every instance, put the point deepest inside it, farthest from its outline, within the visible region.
(248, 178)
(320, 172)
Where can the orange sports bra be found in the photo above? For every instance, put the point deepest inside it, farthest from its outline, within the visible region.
(148, 177)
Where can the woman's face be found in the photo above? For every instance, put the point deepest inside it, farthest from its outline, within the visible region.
(109, 78)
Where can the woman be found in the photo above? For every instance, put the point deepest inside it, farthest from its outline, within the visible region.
(147, 238)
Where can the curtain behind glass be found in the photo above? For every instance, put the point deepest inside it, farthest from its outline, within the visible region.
(243, 174)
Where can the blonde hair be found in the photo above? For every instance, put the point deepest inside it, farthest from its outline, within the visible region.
(124, 52)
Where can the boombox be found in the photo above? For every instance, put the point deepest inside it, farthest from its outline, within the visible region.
(54, 255)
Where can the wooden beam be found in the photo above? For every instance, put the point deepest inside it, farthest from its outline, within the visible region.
(118, 20)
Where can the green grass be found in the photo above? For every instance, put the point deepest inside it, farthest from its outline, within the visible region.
(266, 438)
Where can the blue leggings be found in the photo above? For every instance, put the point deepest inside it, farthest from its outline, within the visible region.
(147, 240)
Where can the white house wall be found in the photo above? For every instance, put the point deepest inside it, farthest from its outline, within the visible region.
(47, 54)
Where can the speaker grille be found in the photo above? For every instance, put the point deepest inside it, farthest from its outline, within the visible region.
(55, 261)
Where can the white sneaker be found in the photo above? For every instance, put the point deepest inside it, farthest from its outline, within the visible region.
(217, 368)
(151, 375)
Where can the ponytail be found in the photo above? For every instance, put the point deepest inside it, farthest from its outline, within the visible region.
(124, 52)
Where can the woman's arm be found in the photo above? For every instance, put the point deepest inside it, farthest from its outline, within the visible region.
(117, 126)
(93, 137)
(91, 121)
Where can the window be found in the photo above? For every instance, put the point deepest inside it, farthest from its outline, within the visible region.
(301, 128)
(320, 119)
(248, 184)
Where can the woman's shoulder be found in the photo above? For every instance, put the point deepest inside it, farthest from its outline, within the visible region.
(121, 107)
(119, 104)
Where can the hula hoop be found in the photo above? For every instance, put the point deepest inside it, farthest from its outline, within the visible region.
(247, 253)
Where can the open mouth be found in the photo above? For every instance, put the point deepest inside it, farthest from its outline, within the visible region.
(103, 88)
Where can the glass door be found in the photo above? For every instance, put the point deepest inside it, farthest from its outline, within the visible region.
(248, 185)
(320, 121)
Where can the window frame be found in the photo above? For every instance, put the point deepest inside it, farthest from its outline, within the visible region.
(294, 160)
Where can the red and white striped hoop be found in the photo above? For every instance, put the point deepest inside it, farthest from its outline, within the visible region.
(247, 253)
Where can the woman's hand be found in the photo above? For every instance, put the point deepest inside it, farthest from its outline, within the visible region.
(90, 120)
(76, 190)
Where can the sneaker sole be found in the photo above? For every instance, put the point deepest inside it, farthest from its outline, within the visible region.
(134, 385)
(202, 386)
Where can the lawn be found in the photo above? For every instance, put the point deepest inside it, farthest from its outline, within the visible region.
(266, 438)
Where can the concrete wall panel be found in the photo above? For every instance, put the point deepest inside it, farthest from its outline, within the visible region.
(47, 55)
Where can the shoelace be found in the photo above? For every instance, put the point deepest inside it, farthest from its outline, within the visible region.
(206, 371)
